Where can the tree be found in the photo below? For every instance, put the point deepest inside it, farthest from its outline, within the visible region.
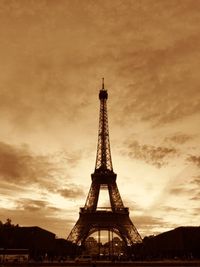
(8, 223)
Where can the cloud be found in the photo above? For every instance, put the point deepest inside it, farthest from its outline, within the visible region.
(171, 209)
(44, 94)
(156, 156)
(32, 205)
(183, 189)
(19, 166)
(18, 8)
(188, 190)
(196, 180)
(194, 159)
(72, 158)
(147, 224)
(196, 192)
(71, 191)
(196, 211)
(146, 220)
(178, 138)
(179, 190)
(8, 188)
(196, 197)
(165, 82)
(54, 90)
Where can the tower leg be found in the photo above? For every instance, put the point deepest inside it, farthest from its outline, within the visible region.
(99, 242)
(109, 243)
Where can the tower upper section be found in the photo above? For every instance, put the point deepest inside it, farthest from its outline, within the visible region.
(103, 159)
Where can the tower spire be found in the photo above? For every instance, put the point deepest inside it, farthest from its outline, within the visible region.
(103, 158)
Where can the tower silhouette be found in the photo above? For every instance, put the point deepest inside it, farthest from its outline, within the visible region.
(116, 219)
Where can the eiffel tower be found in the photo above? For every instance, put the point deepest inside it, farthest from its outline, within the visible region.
(91, 219)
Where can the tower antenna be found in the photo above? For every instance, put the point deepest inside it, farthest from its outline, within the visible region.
(103, 83)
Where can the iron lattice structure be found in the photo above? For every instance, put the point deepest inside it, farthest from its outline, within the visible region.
(117, 218)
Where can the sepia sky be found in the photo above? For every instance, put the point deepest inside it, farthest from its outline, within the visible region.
(53, 55)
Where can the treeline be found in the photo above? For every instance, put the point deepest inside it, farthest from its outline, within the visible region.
(8, 224)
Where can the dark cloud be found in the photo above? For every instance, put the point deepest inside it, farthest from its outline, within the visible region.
(19, 165)
(71, 191)
(194, 159)
(178, 190)
(156, 156)
(178, 138)
(31, 205)
(55, 58)
(165, 82)
(182, 189)
(196, 180)
(20, 8)
(44, 94)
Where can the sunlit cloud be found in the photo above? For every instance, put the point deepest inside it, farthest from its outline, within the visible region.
(157, 156)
